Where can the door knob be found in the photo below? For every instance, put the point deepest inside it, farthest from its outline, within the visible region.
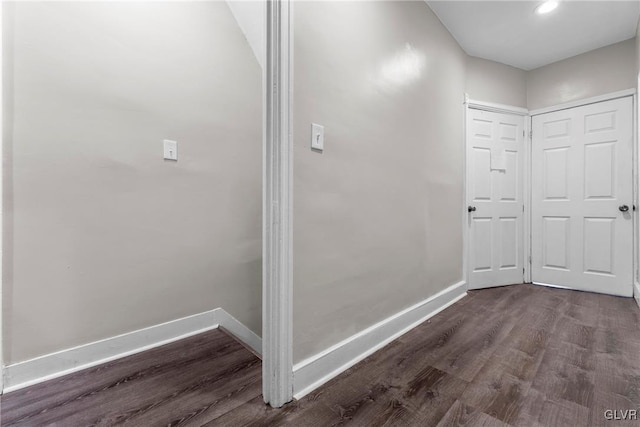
(471, 209)
(623, 208)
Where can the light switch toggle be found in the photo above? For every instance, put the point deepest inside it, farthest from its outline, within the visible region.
(317, 137)
(170, 149)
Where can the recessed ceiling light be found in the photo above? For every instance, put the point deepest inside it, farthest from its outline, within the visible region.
(546, 7)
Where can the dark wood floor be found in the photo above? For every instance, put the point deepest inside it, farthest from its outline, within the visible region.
(519, 356)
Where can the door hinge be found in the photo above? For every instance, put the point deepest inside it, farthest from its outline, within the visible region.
(530, 134)
(529, 259)
(522, 208)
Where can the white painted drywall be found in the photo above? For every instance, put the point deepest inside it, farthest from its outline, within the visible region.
(491, 81)
(377, 214)
(601, 71)
(250, 16)
(102, 236)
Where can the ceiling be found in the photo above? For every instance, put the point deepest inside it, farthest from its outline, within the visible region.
(511, 32)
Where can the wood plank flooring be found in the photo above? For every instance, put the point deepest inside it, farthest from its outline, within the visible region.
(512, 356)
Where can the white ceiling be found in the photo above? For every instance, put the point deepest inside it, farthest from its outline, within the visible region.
(511, 33)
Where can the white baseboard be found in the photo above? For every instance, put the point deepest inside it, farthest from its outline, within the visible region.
(636, 293)
(317, 370)
(50, 366)
(239, 330)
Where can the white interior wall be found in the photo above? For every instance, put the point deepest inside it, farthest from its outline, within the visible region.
(493, 82)
(601, 71)
(101, 235)
(250, 16)
(378, 214)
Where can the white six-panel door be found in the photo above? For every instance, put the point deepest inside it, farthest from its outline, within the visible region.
(494, 198)
(581, 193)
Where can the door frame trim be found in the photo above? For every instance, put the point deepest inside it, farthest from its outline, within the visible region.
(586, 101)
(495, 108)
(2, 142)
(526, 161)
(526, 196)
(277, 194)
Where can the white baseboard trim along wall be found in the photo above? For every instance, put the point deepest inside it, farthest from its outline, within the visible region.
(43, 368)
(636, 292)
(317, 370)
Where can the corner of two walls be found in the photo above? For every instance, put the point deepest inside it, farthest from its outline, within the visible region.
(102, 236)
(605, 70)
(491, 81)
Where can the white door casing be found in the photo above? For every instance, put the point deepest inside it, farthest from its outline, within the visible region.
(1, 204)
(581, 179)
(495, 152)
(277, 224)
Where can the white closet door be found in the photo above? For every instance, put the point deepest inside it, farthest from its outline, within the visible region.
(582, 198)
(495, 202)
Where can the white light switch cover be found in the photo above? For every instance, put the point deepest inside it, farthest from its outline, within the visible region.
(170, 149)
(317, 137)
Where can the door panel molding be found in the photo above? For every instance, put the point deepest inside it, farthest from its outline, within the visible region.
(582, 171)
(495, 108)
(505, 125)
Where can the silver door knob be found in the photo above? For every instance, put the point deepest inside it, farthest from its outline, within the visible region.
(471, 209)
(623, 208)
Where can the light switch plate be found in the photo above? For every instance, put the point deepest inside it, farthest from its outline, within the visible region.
(317, 137)
(170, 149)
